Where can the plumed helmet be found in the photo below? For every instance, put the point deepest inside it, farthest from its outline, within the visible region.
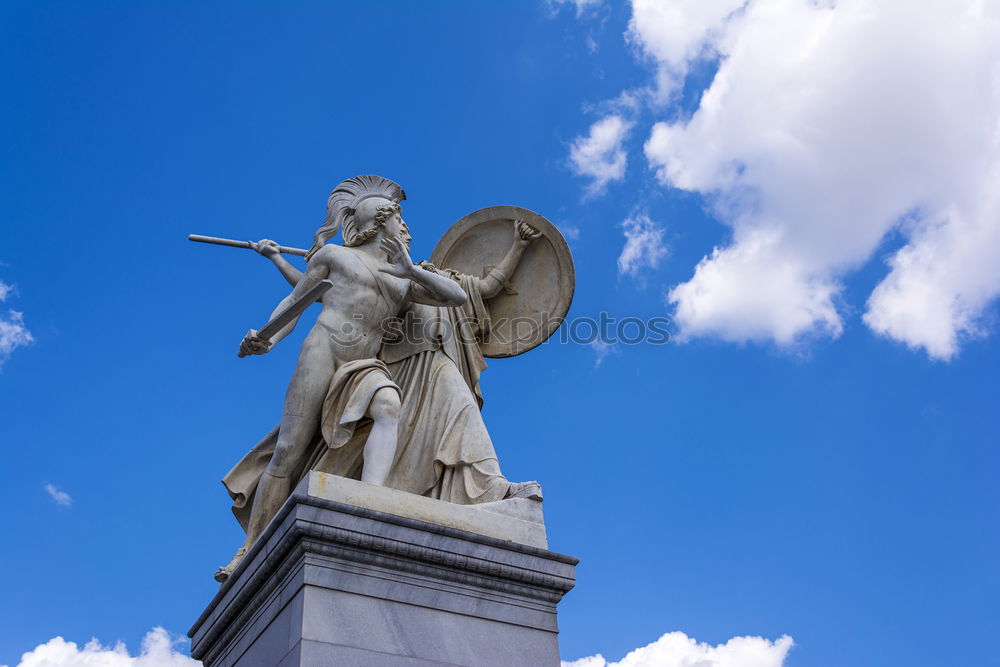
(342, 207)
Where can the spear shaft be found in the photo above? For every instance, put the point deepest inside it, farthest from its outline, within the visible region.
(242, 244)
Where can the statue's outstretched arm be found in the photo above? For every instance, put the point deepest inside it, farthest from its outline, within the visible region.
(269, 249)
(524, 234)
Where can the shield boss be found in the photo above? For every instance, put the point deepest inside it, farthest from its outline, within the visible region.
(537, 297)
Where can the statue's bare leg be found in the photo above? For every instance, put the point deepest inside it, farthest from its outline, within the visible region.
(380, 448)
(299, 421)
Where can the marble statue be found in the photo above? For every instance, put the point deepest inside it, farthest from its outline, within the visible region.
(386, 388)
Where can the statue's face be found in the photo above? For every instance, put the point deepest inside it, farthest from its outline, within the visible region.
(406, 234)
(377, 213)
(396, 227)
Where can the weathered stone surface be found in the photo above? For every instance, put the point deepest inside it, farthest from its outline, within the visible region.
(515, 519)
(332, 583)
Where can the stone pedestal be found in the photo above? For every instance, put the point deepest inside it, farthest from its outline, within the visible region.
(352, 574)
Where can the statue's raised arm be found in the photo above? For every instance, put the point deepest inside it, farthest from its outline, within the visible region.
(529, 284)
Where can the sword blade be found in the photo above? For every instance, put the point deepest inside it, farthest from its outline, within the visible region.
(279, 321)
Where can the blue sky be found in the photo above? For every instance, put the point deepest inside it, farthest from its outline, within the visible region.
(816, 458)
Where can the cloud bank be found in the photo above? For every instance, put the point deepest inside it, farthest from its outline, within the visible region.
(833, 133)
(676, 649)
(158, 650)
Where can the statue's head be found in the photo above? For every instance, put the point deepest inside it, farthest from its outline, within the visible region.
(362, 206)
(372, 215)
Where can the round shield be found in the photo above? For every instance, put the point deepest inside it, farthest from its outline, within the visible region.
(533, 303)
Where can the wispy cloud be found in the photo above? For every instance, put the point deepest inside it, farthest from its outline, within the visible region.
(676, 649)
(57, 496)
(644, 246)
(600, 156)
(13, 332)
(159, 649)
(571, 232)
(582, 6)
(602, 350)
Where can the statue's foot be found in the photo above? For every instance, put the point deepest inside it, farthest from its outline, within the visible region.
(223, 572)
(530, 490)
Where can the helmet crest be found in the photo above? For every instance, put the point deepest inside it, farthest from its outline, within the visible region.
(343, 203)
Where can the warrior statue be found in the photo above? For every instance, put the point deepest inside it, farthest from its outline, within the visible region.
(338, 379)
(399, 406)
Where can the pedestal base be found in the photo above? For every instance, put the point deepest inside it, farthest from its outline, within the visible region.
(339, 583)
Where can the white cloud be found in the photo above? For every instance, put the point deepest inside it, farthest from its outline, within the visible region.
(674, 34)
(600, 155)
(571, 232)
(676, 649)
(13, 333)
(751, 290)
(582, 6)
(158, 650)
(601, 351)
(628, 102)
(58, 497)
(644, 246)
(940, 284)
(828, 126)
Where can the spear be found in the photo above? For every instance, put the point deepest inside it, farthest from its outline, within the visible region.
(242, 244)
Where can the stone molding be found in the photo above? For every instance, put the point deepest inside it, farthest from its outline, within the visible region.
(293, 536)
